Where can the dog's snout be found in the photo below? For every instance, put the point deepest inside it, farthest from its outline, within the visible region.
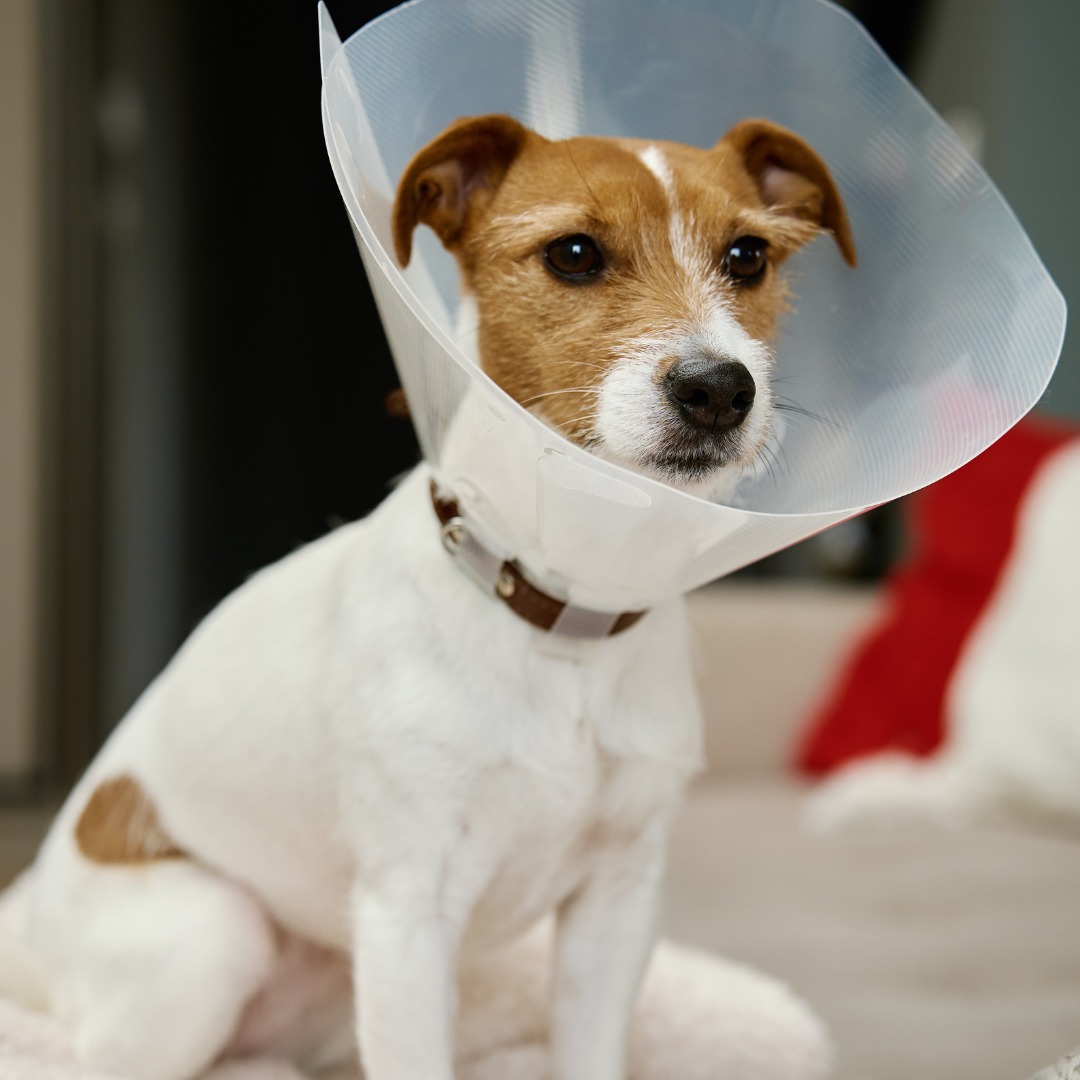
(711, 394)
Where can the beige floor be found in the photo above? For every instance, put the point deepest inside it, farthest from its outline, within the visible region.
(943, 956)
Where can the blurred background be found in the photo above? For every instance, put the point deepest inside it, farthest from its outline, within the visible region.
(192, 374)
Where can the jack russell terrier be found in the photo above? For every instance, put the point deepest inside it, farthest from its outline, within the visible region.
(362, 769)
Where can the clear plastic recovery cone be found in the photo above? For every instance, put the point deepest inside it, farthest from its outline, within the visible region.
(904, 369)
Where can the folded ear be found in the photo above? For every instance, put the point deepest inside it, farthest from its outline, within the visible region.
(792, 179)
(465, 163)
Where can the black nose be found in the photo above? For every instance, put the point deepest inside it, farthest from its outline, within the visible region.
(712, 394)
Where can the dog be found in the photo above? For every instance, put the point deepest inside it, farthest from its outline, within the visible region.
(361, 770)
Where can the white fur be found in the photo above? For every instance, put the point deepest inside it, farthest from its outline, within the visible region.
(652, 157)
(360, 747)
(22, 976)
(1013, 744)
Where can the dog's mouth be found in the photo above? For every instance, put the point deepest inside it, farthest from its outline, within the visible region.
(688, 458)
(681, 423)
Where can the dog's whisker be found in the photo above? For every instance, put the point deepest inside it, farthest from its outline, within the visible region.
(562, 390)
(771, 463)
(577, 169)
(784, 405)
(776, 448)
(587, 419)
(591, 364)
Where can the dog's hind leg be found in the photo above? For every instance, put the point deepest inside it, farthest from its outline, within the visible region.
(151, 964)
(22, 976)
(894, 792)
(257, 1069)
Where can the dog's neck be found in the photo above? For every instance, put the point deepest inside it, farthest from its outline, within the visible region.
(510, 582)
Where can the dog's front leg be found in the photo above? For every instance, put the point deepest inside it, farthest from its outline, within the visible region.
(405, 976)
(605, 935)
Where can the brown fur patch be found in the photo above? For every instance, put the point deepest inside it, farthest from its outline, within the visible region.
(120, 825)
(549, 343)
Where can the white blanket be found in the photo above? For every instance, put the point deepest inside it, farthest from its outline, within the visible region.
(699, 1018)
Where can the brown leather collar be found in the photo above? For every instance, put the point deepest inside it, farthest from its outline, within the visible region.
(525, 599)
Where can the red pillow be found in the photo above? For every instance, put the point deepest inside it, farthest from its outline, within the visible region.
(890, 695)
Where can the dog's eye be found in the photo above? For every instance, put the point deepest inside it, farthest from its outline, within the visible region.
(574, 257)
(745, 260)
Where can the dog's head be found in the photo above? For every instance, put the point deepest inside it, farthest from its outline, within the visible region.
(626, 290)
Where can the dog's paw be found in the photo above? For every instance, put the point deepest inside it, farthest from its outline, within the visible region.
(889, 793)
(255, 1069)
(530, 1062)
(1067, 1068)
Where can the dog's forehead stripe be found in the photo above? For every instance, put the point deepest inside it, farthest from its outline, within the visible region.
(688, 253)
(652, 157)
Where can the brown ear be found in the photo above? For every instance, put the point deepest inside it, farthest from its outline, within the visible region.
(791, 178)
(468, 160)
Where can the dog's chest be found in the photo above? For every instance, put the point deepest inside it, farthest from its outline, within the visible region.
(571, 750)
(545, 832)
